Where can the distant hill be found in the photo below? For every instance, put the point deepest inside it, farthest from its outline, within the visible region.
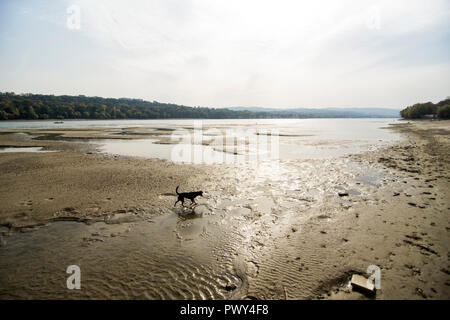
(327, 112)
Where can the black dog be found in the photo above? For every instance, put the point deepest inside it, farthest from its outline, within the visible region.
(188, 195)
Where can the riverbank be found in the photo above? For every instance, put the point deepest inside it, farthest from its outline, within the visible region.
(404, 227)
(272, 231)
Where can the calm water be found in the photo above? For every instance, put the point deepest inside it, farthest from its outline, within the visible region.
(343, 127)
(298, 138)
(24, 149)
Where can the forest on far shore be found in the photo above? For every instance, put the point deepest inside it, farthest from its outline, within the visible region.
(439, 110)
(37, 106)
(41, 107)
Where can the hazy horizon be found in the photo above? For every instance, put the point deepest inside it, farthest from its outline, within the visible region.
(268, 54)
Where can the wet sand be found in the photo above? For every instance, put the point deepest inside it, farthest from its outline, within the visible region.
(261, 232)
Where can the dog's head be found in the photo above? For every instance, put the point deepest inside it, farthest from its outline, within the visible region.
(201, 193)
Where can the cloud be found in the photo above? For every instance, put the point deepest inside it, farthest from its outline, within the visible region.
(284, 53)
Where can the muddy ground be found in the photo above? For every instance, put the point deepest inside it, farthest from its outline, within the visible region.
(284, 230)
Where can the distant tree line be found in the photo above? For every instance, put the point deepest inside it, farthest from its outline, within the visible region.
(421, 110)
(38, 106)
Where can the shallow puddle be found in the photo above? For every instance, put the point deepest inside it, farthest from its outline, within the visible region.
(168, 258)
(181, 153)
(372, 177)
(24, 149)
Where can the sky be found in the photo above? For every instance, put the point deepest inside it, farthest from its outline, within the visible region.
(225, 53)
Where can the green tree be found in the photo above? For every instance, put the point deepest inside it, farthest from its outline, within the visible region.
(31, 114)
(444, 112)
(3, 115)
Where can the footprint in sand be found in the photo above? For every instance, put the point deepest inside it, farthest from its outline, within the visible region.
(20, 215)
(27, 203)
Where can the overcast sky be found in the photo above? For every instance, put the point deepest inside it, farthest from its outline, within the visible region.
(231, 52)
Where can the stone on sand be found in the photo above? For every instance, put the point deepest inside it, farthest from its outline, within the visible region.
(362, 284)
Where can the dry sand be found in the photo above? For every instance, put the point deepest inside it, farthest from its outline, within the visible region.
(76, 182)
(262, 233)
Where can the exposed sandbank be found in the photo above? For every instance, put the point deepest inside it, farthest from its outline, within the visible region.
(268, 233)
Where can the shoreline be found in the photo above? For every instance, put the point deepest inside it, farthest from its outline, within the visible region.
(407, 231)
(128, 119)
(395, 225)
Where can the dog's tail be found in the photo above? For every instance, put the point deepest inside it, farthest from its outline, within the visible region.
(176, 190)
